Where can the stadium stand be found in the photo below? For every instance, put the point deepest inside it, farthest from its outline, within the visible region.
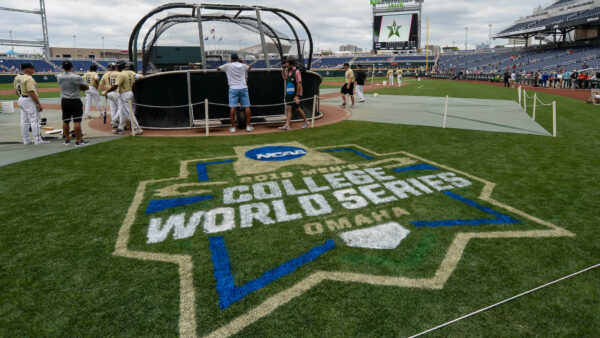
(524, 60)
(14, 64)
(551, 25)
(331, 62)
(559, 16)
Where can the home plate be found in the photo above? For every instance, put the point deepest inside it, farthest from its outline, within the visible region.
(385, 236)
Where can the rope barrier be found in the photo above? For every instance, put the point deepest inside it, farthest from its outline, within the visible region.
(218, 104)
(505, 301)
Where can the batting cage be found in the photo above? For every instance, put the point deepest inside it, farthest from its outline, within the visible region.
(183, 44)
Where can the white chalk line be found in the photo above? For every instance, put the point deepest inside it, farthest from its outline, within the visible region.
(505, 301)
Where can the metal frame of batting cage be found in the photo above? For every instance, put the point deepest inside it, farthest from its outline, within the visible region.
(196, 13)
(163, 25)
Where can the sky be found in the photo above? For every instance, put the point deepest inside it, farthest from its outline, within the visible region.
(332, 23)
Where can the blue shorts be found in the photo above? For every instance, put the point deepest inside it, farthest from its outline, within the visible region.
(239, 96)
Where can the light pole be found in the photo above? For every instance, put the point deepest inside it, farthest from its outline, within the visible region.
(12, 47)
(103, 52)
(490, 39)
(466, 38)
(318, 43)
(75, 45)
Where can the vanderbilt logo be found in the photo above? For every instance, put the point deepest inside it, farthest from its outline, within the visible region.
(252, 230)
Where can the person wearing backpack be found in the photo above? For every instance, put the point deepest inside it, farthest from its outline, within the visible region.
(292, 77)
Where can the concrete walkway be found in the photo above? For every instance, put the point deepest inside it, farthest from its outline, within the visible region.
(12, 149)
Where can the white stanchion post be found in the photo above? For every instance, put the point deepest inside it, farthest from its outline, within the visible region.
(446, 112)
(534, 104)
(525, 100)
(554, 118)
(347, 103)
(314, 111)
(520, 93)
(206, 117)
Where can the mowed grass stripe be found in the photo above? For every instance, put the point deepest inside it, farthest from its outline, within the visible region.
(61, 215)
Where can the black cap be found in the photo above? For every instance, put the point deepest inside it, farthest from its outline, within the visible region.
(346, 64)
(112, 66)
(67, 65)
(27, 65)
(234, 57)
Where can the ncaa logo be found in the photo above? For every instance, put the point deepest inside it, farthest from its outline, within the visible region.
(279, 153)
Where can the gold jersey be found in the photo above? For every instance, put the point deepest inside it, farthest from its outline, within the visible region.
(125, 81)
(24, 84)
(91, 79)
(112, 80)
(105, 81)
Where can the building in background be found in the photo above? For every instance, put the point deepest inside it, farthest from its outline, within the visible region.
(350, 48)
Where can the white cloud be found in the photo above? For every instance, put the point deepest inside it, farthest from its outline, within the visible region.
(332, 23)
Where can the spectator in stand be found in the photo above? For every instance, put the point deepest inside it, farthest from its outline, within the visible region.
(566, 77)
(581, 80)
(550, 80)
(559, 80)
(544, 80)
(573, 78)
(506, 77)
(513, 79)
(536, 79)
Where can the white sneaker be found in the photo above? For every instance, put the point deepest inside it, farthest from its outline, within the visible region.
(284, 128)
(27, 142)
(232, 130)
(41, 142)
(249, 128)
(138, 131)
(305, 125)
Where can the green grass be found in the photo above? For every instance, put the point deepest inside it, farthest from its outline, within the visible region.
(61, 215)
(39, 85)
(40, 95)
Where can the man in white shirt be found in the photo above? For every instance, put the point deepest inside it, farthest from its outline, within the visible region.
(513, 79)
(236, 71)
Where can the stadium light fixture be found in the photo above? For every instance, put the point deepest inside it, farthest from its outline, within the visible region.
(466, 38)
(12, 47)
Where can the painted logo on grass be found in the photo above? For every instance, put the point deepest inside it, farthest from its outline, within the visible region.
(279, 154)
(255, 228)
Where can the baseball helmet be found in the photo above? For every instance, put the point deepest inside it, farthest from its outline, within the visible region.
(121, 65)
(130, 66)
(112, 66)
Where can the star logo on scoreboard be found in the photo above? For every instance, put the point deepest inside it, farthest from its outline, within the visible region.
(254, 230)
(394, 29)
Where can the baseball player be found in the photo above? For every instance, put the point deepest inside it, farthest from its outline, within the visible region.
(390, 75)
(399, 76)
(91, 79)
(29, 104)
(110, 80)
(124, 86)
(114, 95)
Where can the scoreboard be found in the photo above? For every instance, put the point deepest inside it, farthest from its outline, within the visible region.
(396, 25)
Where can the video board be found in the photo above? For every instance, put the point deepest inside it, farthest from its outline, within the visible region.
(396, 31)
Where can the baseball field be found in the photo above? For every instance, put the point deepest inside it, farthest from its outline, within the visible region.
(352, 229)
